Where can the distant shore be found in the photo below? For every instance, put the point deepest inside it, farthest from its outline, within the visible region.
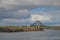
(53, 27)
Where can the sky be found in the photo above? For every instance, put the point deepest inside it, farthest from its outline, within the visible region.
(26, 12)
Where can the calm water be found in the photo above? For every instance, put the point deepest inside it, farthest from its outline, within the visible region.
(46, 35)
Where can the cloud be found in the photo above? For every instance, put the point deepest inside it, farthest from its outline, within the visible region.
(18, 14)
(22, 8)
(28, 4)
(14, 22)
(43, 18)
(20, 11)
(54, 13)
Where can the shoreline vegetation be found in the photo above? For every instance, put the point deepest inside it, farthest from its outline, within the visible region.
(25, 28)
(19, 28)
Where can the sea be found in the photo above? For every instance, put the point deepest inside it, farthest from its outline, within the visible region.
(48, 34)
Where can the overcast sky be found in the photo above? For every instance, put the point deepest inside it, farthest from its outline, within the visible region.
(25, 12)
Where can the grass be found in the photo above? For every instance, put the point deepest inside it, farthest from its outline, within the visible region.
(24, 28)
(19, 28)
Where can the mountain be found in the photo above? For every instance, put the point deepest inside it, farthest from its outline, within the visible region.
(37, 23)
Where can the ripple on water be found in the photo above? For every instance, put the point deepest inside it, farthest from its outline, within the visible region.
(45, 35)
